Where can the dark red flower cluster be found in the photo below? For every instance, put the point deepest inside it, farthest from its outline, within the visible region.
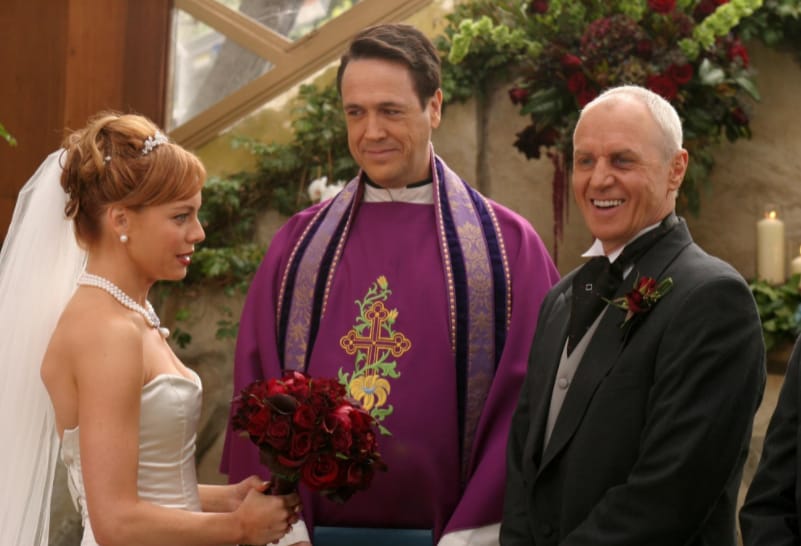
(610, 40)
(639, 299)
(309, 431)
(662, 6)
(667, 84)
(704, 8)
(538, 6)
(737, 51)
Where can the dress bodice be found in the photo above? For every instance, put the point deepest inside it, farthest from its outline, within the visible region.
(170, 412)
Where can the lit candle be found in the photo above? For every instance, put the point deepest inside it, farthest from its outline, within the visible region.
(770, 247)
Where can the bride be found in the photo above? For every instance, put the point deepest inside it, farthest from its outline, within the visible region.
(126, 409)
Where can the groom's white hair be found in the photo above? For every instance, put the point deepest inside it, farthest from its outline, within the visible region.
(663, 113)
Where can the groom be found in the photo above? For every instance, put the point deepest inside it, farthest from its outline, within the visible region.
(634, 420)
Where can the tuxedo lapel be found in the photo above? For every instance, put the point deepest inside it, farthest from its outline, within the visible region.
(599, 357)
(605, 346)
(544, 364)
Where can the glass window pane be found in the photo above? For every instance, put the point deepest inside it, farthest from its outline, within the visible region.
(206, 67)
(292, 19)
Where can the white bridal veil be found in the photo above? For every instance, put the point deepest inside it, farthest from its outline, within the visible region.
(39, 264)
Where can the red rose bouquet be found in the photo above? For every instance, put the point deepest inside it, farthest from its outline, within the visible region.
(309, 431)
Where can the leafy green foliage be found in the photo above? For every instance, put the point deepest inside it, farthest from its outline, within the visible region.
(5, 135)
(228, 257)
(231, 205)
(777, 25)
(563, 53)
(779, 309)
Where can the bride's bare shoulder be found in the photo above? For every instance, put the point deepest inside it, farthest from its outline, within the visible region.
(92, 323)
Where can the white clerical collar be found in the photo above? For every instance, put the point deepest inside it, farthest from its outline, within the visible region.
(421, 195)
(597, 248)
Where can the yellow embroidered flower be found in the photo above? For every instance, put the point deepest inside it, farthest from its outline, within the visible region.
(392, 316)
(382, 282)
(369, 387)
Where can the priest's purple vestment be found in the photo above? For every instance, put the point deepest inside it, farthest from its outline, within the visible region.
(383, 321)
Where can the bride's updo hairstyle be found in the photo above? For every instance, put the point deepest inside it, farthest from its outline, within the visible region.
(123, 160)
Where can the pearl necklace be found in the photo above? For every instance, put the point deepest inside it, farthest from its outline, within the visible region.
(116, 292)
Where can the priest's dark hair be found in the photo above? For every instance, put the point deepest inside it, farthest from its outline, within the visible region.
(401, 43)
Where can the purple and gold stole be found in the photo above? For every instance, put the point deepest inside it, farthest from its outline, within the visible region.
(477, 279)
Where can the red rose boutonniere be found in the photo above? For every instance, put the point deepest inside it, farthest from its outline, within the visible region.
(309, 431)
(646, 292)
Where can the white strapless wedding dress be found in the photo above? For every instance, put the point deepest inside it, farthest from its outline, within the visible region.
(167, 431)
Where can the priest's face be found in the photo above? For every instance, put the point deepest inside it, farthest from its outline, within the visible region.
(388, 130)
(624, 178)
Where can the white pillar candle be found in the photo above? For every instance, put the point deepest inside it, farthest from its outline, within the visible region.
(795, 264)
(770, 248)
(795, 267)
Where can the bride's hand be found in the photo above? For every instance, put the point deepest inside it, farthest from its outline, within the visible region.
(240, 490)
(266, 518)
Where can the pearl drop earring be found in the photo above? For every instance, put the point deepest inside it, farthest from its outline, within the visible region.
(123, 238)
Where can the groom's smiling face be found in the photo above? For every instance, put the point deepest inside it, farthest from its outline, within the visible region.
(624, 179)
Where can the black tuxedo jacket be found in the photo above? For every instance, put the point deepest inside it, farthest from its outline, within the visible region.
(649, 444)
(772, 510)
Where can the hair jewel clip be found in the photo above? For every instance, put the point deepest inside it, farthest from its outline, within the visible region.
(153, 142)
(107, 159)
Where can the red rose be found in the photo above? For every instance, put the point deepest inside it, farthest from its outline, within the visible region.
(662, 85)
(360, 419)
(645, 48)
(359, 476)
(341, 440)
(319, 440)
(290, 462)
(571, 62)
(739, 116)
(367, 442)
(518, 95)
(737, 50)
(646, 285)
(586, 96)
(340, 417)
(297, 384)
(662, 6)
(257, 422)
(301, 444)
(707, 7)
(634, 300)
(538, 6)
(277, 433)
(321, 472)
(577, 83)
(681, 74)
(330, 388)
(305, 416)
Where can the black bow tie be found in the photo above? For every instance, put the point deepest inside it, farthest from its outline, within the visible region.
(598, 280)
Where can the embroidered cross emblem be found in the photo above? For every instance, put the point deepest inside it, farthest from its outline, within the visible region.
(374, 343)
(376, 346)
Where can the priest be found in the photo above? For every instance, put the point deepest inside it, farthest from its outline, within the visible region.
(420, 294)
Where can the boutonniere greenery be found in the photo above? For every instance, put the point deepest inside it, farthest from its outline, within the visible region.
(646, 292)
